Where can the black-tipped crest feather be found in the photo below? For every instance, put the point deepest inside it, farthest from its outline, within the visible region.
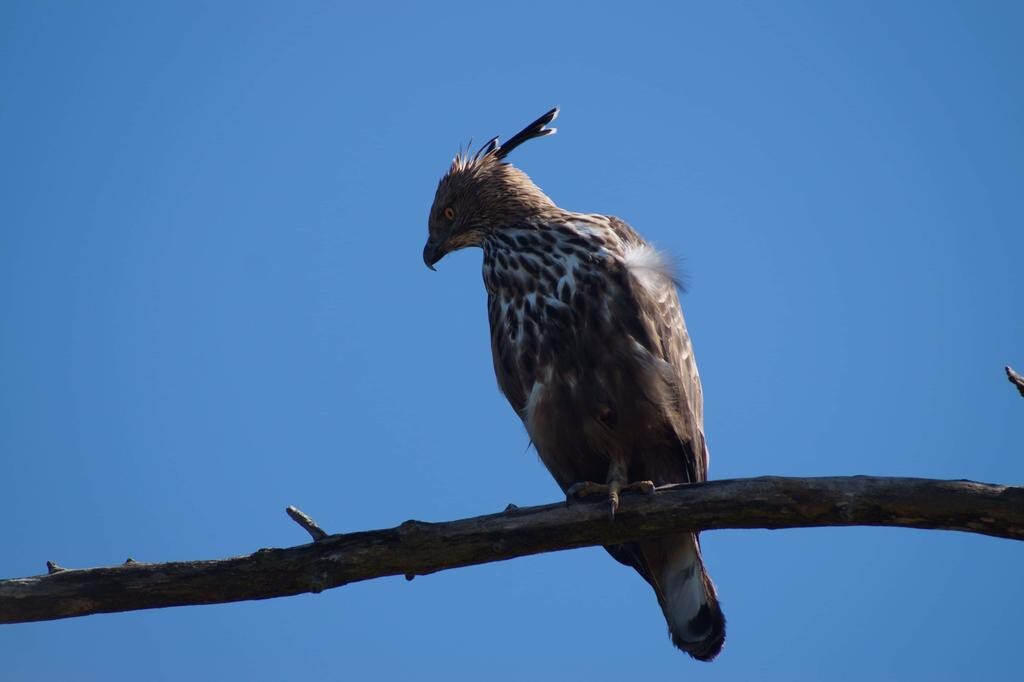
(536, 129)
(492, 144)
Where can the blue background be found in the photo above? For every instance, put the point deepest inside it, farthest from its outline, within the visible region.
(212, 305)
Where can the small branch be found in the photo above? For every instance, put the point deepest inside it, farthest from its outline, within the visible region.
(418, 548)
(1015, 379)
(304, 520)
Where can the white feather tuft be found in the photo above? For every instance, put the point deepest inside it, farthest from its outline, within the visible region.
(531, 403)
(651, 267)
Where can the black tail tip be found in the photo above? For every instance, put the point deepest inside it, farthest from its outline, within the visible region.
(711, 621)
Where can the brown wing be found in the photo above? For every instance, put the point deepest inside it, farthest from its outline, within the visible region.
(653, 301)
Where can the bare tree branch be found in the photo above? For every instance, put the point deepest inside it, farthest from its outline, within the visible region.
(308, 524)
(1015, 379)
(418, 548)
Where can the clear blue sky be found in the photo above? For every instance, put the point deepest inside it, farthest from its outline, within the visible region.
(213, 305)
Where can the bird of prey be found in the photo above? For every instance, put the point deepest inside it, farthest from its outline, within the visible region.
(591, 350)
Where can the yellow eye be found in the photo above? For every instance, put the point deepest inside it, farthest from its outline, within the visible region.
(449, 213)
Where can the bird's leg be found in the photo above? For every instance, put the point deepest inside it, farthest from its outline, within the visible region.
(616, 479)
(612, 490)
(614, 487)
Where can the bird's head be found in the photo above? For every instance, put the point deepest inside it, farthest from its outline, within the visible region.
(481, 193)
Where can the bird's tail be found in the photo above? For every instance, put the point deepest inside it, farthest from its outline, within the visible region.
(686, 594)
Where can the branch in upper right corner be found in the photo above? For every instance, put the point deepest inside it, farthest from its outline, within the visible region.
(1015, 379)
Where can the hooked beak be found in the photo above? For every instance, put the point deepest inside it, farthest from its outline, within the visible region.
(433, 252)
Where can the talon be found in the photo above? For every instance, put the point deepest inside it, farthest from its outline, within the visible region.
(642, 487)
(584, 489)
(613, 497)
(612, 491)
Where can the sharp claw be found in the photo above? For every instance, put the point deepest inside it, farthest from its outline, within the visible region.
(613, 496)
(576, 492)
(645, 487)
(585, 489)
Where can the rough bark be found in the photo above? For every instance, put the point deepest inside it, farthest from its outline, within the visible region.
(418, 548)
